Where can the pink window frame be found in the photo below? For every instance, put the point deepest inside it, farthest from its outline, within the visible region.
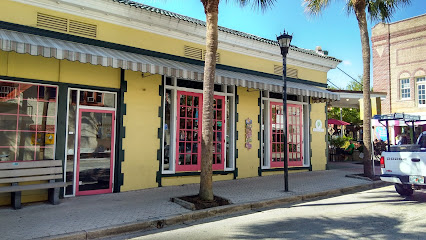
(300, 135)
(18, 115)
(197, 167)
(111, 172)
(190, 167)
(271, 142)
(221, 165)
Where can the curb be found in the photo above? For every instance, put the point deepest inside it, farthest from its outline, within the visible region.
(206, 213)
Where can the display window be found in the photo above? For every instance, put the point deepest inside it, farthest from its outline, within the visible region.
(27, 121)
(182, 137)
(294, 134)
(272, 137)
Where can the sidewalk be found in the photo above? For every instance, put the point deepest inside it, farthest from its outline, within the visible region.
(102, 215)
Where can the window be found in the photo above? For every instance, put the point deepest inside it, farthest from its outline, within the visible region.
(27, 121)
(272, 127)
(182, 128)
(421, 91)
(405, 88)
(294, 134)
(189, 131)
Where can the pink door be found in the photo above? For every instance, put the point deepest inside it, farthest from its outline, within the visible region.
(218, 133)
(294, 135)
(188, 135)
(95, 152)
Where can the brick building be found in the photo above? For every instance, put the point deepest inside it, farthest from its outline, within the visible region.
(399, 65)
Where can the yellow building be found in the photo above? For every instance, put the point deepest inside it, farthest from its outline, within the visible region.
(116, 89)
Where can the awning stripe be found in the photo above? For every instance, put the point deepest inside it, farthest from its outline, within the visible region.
(60, 49)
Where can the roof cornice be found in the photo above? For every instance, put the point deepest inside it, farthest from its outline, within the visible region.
(165, 23)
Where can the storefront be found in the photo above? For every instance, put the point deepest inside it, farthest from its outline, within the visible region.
(90, 142)
(182, 126)
(125, 115)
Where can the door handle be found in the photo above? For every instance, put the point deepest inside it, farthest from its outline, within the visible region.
(415, 159)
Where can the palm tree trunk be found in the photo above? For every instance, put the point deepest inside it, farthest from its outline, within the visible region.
(211, 9)
(359, 7)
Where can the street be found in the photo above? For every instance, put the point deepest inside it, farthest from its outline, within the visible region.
(375, 214)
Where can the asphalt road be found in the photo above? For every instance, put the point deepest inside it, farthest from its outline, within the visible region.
(374, 214)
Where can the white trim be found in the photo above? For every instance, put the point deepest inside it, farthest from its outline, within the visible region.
(267, 136)
(407, 82)
(172, 151)
(306, 136)
(173, 134)
(417, 95)
(66, 147)
(77, 128)
(231, 134)
(173, 115)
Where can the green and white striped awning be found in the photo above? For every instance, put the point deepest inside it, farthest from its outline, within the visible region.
(60, 49)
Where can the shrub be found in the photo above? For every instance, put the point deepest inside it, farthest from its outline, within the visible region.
(339, 142)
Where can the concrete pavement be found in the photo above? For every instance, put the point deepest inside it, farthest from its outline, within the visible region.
(95, 216)
(379, 214)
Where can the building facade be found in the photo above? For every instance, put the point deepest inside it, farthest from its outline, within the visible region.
(399, 65)
(113, 88)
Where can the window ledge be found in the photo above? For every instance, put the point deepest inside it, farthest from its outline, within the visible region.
(282, 169)
(181, 174)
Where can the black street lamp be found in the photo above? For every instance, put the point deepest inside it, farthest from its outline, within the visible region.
(284, 42)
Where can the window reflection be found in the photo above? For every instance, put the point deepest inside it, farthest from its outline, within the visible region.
(167, 131)
(94, 98)
(27, 121)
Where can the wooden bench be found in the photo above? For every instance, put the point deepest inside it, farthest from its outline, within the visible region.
(19, 172)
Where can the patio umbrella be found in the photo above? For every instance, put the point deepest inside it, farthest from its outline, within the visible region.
(337, 122)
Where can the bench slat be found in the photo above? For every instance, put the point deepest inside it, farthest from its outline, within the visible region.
(30, 164)
(32, 187)
(30, 172)
(28, 179)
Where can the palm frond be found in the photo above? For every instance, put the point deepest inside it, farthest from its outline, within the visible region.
(256, 4)
(349, 7)
(315, 7)
(382, 10)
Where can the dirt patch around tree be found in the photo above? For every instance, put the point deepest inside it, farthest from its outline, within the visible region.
(201, 204)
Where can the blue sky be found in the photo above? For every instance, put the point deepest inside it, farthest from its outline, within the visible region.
(334, 30)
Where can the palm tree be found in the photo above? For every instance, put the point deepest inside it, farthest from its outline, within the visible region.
(211, 9)
(377, 10)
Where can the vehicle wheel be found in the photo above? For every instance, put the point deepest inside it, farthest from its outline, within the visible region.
(404, 190)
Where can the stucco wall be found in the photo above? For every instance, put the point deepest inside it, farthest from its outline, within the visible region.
(248, 161)
(142, 122)
(318, 141)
